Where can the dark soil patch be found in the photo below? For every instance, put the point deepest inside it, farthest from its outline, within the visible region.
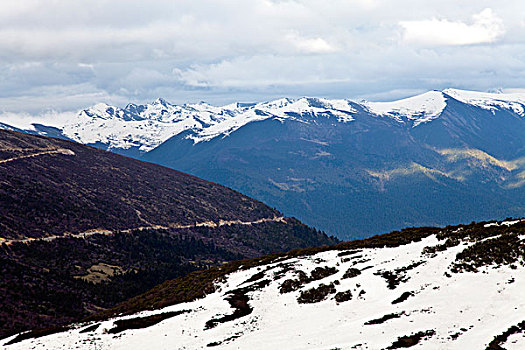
(290, 285)
(143, 322)
(256, 277)
(500, 339)
(506, 249)
(343, 296)
(37, 334)
(348, 252)
(408, 341)
(91, 328)
(351, 272)
(321, 272)
(227, 340)
(318, 273)
(384, 319)
(403, 297)
(449, 243)
(351, 258)
(362, 261)
(238, 300)
(394, 278)
(455, 336)
(283, 269)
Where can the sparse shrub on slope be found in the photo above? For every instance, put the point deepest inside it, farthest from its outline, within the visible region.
(317, 294)
(506, 249)
(351, 272)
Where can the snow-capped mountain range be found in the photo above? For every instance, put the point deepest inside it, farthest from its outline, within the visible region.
(437, 158)
(145, 127)
(427, 289)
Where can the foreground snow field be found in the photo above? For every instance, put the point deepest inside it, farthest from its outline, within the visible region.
(410, 295)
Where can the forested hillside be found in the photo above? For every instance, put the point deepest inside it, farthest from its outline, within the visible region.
(82, 229)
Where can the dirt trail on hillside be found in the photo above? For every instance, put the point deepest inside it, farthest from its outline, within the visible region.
(105, 232)
(63, 151)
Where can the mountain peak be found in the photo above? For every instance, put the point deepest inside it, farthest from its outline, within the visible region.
(514, 101)
(100, 107)
(161, 101)
(420, 108)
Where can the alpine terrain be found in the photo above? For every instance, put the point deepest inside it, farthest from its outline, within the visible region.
(458, 287)
(349, 168)
(82, 229)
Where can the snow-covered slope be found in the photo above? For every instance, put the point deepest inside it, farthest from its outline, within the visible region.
(146, 126)
(491, 101)
(280, 109)
(143, 126)
(419, 109)
(445, 290)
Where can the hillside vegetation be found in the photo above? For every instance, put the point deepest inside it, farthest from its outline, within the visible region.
(82, 229)
(489, 245)
(393, 291)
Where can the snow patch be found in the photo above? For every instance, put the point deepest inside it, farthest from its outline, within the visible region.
(419, 109)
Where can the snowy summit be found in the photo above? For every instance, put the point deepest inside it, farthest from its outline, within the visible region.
(147, 126)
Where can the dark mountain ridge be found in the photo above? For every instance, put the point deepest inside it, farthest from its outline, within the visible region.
(85, 188)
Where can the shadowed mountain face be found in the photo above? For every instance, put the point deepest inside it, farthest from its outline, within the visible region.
(370, 175)
(82, 229)
(348, 168)
(50, 187)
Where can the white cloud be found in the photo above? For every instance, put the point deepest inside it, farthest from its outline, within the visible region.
(26, 120)
(65, 54)
(486, 27)
(310, 45)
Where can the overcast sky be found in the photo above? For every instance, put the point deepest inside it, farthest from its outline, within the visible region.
(64, 54)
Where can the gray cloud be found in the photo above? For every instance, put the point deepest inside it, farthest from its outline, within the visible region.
(65, 54)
